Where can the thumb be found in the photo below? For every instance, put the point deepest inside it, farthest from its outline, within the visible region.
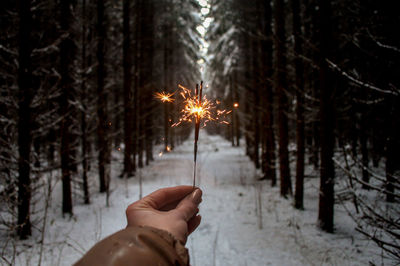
(187, 208)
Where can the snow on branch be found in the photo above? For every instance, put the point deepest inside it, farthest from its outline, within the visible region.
(52, 47)
(9, 51)
(375, 219)
(382, 45)
(361, 83)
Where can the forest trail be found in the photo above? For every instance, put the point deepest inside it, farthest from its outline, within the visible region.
(233, 230)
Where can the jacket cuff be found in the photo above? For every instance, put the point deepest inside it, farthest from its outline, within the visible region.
(137, 245)
(179, 247)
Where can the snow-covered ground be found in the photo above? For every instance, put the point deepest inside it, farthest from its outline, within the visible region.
(244, 221)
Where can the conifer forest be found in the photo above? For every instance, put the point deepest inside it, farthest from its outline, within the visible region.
(296, 151)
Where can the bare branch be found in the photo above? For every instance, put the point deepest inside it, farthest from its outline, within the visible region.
(361, 83)
(386, 46)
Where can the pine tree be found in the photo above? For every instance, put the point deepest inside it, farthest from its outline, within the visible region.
(327, 120)
(128, 94)
(282, 89)
(25, 96)
(299, 103)
(67, 52)
(102, 102)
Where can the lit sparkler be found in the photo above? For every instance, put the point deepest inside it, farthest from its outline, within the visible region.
(165, 97)
(200, 110)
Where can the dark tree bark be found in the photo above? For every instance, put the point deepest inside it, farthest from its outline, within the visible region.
(172, 63)
(327, 120)
(268, 114)
(103, 123)
(232, 117)
(364, 150)
(256, 105)
(67, 52)
(128, 95)
(311, 32)
(136, 58)
(25, 95)
(298, 50)
(281, 87)
(167, 77)
(248, 89)
(391, 152)
(235, 111)
(85, 164)
(141, 81)
(148, 85)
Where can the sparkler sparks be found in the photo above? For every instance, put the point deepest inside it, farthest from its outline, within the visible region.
(165, 97)
(198, 109)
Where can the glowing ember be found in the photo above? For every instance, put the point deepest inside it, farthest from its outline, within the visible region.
(198, 108)
(236, 105)
(164, 97)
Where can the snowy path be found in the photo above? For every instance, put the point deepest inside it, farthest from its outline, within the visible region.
(232, 231)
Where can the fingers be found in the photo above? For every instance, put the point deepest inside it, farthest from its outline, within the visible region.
(166, 196)
(187, 208)
(193, 223)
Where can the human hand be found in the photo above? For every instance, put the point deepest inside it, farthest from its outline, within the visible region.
(171, 209)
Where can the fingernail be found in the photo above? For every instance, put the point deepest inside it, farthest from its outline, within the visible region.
(196, 196)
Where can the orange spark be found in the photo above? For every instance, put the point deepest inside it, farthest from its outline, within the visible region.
(164, 96)
(198, 108)
(236, 105)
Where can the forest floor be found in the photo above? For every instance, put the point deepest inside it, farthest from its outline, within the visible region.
(244, 221)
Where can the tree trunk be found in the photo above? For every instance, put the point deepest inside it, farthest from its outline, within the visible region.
(85, 165)
(236, 110)
(364, 151)
(128, 96)
(167, 76)
(232, 117)
(67, 52)
(327, 116)
(136, 54)
(391, 154)
(25, 95)
(280, 85)
(299, 104)
(268, 113)
(256, 104)
(149, 48)
(103, 123)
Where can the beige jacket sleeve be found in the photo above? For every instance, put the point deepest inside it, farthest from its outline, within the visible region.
(137, 246)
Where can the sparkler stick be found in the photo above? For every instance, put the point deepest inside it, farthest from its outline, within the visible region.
(197, 128)
(197, 109)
